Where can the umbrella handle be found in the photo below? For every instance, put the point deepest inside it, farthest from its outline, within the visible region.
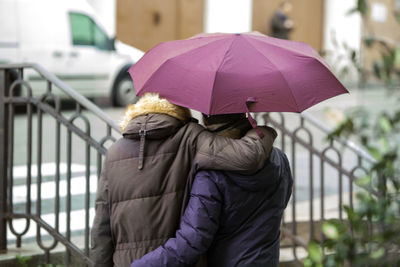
(252, 121)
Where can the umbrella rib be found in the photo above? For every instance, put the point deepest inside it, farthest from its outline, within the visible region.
(216, 72)
(255, 38)
(284, 78)
(316, 56)
(169, 59)
(321, 63)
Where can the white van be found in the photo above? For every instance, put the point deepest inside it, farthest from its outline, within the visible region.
(67, 38)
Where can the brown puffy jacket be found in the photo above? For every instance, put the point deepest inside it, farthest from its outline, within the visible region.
(139, 207)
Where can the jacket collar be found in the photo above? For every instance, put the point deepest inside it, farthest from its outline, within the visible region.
(154, 126)
(152, 117)
(151, 103)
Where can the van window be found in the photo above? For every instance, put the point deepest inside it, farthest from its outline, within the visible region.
(86, 32)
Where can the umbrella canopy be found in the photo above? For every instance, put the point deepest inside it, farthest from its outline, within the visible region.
(222, 73)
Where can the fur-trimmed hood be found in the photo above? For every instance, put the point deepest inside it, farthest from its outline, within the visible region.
(151, 103)
(152, 117)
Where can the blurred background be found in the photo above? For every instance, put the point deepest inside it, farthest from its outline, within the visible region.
(55, 34)
(90, 45)
(127, 27)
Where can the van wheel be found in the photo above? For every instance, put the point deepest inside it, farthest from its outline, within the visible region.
(123, 91)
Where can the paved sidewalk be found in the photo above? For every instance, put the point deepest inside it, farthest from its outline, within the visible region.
(375, 100)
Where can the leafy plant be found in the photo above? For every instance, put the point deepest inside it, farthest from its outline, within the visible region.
(22, 260)
(361, 8)
(371, 234)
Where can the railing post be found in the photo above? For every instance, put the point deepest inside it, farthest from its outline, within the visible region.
(4, 89)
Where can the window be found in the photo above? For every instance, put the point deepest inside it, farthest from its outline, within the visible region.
(86, 32)
(101, 40)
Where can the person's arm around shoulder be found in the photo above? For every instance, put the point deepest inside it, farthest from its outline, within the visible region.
(246, 155)
(102, 248)
(197, 229)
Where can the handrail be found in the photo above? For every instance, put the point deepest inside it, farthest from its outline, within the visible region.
(316, 160)
(351, 145)
(320, 173)
(67, 90)
(36, 106)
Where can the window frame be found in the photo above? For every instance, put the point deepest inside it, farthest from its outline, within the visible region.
(107, 43)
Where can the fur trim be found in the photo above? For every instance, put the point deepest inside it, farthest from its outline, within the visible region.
(152, 103)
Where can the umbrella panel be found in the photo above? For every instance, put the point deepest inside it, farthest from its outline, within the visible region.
(218, 74)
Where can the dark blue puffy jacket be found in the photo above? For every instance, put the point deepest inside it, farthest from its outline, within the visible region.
(235, 218)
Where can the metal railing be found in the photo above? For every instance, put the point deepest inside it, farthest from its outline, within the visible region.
(324, 174)
(319, 167)
(14, 93)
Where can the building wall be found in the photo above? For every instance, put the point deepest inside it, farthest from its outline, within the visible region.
(191, 17)
(380, 22)
(307, 16)
(145, 23)
(325, 24)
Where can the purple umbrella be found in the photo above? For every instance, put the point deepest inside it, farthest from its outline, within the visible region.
(223, 73)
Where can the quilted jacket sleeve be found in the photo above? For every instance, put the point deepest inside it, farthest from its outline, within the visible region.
(246, 155)
(102, 248)
(198, 226)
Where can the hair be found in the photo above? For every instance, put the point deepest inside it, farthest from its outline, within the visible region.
(222, 118)
(153, 103)
(228, 125)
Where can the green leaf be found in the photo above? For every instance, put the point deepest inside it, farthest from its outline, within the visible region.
(369, 41)
(330, 230)
(397, 57)
(375, 153)
(384, 144)
(23, 260)
(364, 181)
(307, 263)
(377, 253)
(353, 55)
(315, 252)
(385, 124)
(377, 70)
(364, 198)
(351, 11)
(362, 7)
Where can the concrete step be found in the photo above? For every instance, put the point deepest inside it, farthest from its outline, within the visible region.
(48, 189)
(37, 255)
(31, 249)
(57, 256)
